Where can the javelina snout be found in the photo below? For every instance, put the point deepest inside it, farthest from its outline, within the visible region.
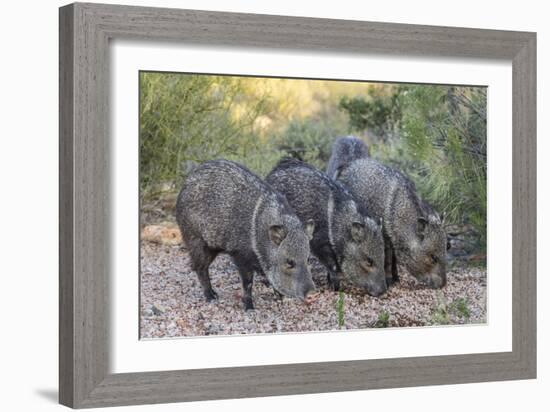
(376, 289)
(309, 292)
(372, 280)
(428, 252)
(434, 279)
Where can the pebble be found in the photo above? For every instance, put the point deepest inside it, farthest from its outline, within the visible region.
(170, 291)
(158, 309)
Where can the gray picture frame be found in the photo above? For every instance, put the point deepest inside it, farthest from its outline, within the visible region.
(85, 32)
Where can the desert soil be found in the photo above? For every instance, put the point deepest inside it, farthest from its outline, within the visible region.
(172, 302)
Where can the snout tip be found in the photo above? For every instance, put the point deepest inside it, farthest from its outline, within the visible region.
(377, 292)
(311, 296)
(437, 282)
(375, 289)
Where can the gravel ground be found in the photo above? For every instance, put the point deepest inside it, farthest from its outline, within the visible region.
(172, 301)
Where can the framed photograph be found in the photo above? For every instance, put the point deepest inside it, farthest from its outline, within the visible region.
(256, 205)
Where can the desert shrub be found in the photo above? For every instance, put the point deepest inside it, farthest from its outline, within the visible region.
(188, 119)
(378, 112)
(446, 312)
(309, 140)
(435, 134)
(444, 135)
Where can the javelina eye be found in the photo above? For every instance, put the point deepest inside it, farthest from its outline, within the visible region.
(434, 259)
(369, 262)
(290, 264)
(448, 244)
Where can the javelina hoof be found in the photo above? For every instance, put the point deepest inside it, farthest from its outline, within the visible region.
(264, 281)
(335, 285)
(391, 281)
(248, 304)
(278, 295)
(334, 281)
(210, 295)
(312, 297)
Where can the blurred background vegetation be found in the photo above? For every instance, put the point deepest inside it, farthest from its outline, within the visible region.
(435, 134)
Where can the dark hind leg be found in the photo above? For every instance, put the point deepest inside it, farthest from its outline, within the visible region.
(394, 272)
(201, 258)
(390, 267)
(246, 271)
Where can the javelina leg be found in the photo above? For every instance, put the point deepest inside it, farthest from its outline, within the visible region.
(326, 256)
(278, 295)
(261, 277)
(394, 273)
(333, 279)
(247, 277)
(388, 262)
(201, 258)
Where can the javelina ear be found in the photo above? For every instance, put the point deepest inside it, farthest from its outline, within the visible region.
(357, 231)
(277, 234)
(310, 227)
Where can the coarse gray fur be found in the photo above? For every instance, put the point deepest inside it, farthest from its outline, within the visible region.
(224, 207)
(345, 239)
(413, 231)
(345, 150)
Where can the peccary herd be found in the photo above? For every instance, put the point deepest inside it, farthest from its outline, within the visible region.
(361, 219)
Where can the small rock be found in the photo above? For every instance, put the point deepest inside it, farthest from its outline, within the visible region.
(167, 234)
(158, 309)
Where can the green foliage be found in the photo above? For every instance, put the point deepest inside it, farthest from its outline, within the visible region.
(340, 308)
(187, 119)
(461, 307)
(440, 316)
(436, 135)
(444, 311)
(444, 139)
(308, 140)
(379, 113)
(383, 320)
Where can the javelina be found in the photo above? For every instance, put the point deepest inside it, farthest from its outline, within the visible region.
(224, 207)
(344, 151)
(413, 232)
(345, 239)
